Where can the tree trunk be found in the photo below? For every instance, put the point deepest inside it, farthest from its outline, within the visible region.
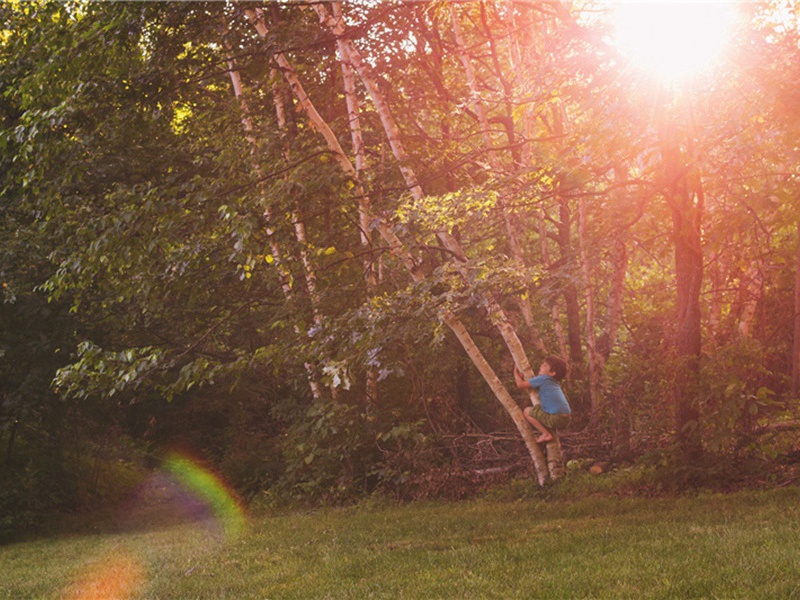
(715, 308)
(396, 247)
(616, 297)
(570, 291)
(751, 289)
(364, 208)
(564, 238)
(554, 311)
(616, 399)
(511, 406)
(354, 120)
(686, 205)
(594, 359)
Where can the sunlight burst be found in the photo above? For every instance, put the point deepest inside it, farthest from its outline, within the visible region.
(672, 40)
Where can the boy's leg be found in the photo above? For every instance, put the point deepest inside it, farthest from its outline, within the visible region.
(545, 436)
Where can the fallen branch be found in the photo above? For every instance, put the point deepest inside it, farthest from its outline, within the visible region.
(776, 427)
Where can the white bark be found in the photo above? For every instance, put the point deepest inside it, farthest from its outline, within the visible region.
(503, 396)
(300, 227)
(752, 289)
(364, 208)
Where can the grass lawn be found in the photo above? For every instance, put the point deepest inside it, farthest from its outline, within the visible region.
(743, 545)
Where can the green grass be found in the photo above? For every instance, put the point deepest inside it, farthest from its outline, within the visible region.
(743, 545)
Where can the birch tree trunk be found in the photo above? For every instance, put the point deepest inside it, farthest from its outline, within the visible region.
(277, 252)
(364, 208)
(298, 222)
(297, 219)
(752, 289)
(554, 466)
(493, 309)
(256, 18)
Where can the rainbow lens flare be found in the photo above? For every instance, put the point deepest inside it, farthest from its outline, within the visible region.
(210, 489)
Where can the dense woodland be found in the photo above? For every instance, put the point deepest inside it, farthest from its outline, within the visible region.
(308, 242)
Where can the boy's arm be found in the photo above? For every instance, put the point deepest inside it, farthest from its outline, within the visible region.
(522, 383)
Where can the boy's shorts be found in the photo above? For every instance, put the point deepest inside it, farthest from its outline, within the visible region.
(549, 420)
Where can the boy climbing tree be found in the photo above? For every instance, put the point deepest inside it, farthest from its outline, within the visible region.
(553, 412)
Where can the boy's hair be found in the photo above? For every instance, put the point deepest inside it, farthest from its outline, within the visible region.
(558, 366)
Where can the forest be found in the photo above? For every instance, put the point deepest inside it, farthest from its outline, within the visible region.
(306, 243)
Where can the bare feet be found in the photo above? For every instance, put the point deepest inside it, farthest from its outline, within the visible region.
(544, 438)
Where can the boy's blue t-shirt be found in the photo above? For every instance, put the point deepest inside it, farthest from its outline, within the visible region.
(550, 395)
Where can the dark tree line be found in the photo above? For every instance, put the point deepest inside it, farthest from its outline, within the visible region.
(309, 242)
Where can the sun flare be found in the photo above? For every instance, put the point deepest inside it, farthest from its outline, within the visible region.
(672, 40)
